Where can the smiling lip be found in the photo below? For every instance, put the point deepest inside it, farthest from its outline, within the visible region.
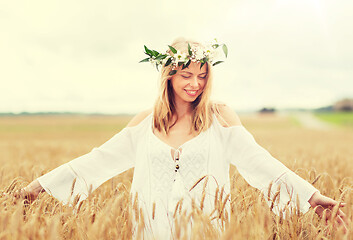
(190, 93)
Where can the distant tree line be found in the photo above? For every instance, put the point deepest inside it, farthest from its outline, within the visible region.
(267, 110)
(344, 105)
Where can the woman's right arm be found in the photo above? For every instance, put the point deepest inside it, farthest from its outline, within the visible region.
(84, 174)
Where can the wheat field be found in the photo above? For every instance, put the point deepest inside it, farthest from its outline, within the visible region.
(33, 145)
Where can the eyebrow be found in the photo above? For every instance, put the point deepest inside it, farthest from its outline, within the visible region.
(191, 73)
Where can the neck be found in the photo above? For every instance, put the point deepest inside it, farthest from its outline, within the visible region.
(183, 109)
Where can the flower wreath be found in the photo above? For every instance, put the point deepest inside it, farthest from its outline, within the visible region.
(177, 58)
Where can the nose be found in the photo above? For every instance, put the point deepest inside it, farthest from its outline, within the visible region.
(193, 82)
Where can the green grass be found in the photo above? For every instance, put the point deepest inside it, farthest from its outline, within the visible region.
(344, 119)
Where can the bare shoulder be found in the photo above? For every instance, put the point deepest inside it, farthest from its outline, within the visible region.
(139, 117)
(226, 115)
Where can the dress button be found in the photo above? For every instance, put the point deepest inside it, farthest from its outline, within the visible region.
(177, 166)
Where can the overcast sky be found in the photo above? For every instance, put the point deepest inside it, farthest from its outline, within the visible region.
(83, 55)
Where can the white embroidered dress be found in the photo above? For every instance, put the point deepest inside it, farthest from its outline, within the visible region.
(157, 178)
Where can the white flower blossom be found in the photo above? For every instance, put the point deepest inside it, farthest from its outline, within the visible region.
(209, 52)
(179, 57)
(152, 61)
(199, 54)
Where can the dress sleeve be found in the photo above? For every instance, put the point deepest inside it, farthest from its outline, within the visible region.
(259, 168)
(90, 170)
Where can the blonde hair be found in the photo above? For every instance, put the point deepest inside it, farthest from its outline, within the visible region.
(164, 107)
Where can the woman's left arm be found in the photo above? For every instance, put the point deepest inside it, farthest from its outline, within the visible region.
(259, 168)
(264, 172)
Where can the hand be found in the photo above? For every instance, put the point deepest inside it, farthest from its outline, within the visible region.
(322, 202)
(29, 193)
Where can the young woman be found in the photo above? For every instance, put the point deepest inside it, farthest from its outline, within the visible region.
(182, 142)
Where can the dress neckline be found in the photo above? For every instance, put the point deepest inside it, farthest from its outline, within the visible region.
(185, 143)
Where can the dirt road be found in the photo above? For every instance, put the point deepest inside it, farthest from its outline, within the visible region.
(308, 120)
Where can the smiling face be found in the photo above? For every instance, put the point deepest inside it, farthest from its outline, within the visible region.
(189, 83)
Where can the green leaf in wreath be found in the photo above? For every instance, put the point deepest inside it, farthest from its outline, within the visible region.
(202, 64)
(169, 61)
(160, 56)
(225, 49)
(172, 72)
(189, 49)
(186, 65)
(172, 49)
(218, 62)
(145, 60)
(148, 52)
(180, 63)
(155, 53)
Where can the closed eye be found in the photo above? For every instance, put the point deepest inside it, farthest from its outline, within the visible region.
(189, 77)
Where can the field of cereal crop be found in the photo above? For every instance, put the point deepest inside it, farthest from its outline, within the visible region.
(31, 146)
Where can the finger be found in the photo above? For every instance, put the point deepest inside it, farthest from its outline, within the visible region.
(341, 224)
(343, 221)
(343, 216)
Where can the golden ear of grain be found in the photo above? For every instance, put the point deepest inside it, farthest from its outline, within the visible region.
(176, 209)
(274, 199)
(180, 205)
(216, 197)
(197, 182)
(76, 199)
(223, 205)
(79, 207)
(315, 180)
(153, 209)
(269, 191)
(202, 200)
(298, 205)
(12, 185)
(73, 186)
(222, 192)
(203, 193)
